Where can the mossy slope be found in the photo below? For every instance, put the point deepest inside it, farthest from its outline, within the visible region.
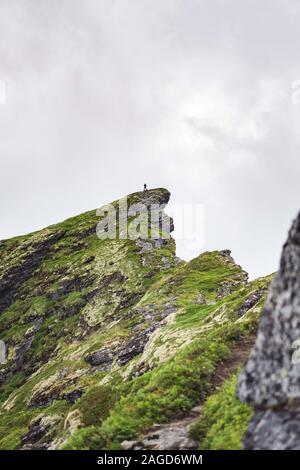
(107, 337)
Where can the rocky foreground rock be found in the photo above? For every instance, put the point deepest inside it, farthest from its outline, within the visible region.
(270, 381)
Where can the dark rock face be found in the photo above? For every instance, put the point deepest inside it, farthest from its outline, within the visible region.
(151, 197)
(227, 287)
(160, 242)
(12, 279)
(72, 396)
(274, 430)
(135, 346)
(227, 254)
(42, 400)
(252, 300)
(72, 285)
(57, 391)
(19, 360)
(116, 277)
(270, 381)
(103, 358)
(156, 201)
(36, 431)
(70, 311)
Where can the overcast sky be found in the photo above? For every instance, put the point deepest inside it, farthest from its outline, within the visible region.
(192, 95)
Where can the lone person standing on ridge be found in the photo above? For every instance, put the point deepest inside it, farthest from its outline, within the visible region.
(145, 187)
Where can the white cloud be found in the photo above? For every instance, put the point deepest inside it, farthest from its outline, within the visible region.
(103, 96)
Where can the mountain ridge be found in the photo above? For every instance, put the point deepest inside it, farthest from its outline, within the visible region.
(106, 338)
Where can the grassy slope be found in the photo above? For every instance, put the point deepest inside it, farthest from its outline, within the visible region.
(182, 380)
(96, 310)
(223, 419)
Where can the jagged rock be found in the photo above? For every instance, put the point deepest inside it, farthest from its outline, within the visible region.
(18, 360)
(128, 298)
(273, 430)
(42, 400)
(201, 299)
(88, 260)
(70, 311)
(38, 428)
(38, 446)
(14, 276)
(252, 300)
(72, 396)
(34, 328)
(103, 357)
(128, 445)
(270, 381)
(226, 288)
(227, 254)
(36, 431)
(173, 436)
(154, 314)
(60, 386)
(135, 346)
(116, 276)
(144, 245)
(159, 242)
(166, 263)
(72, 285)
(85, 233)
(72, 421)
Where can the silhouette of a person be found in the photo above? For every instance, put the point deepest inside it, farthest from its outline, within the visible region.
(145, 187)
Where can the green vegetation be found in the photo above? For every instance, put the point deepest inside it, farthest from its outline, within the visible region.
(223, 420)
(95, 404)
(73, 295)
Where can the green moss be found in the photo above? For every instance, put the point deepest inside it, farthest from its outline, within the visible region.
(13, 439)
(223, 420)
(95, 404)
(167, 392)
(9, 387)
(85, 439)
(11, 431)
(82, 306)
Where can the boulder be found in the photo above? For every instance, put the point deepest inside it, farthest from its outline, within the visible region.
(270, 381)
(103, 357)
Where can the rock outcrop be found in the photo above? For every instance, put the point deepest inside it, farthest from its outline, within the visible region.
(171, 436)
(270, 381)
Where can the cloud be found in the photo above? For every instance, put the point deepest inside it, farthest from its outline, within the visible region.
(103, 95)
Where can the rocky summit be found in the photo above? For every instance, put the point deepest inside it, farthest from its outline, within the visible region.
(117, 343)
